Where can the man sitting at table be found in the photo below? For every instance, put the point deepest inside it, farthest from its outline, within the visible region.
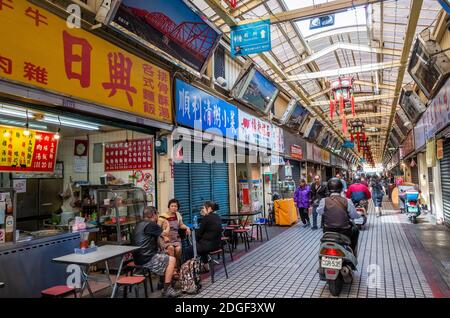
(146, 236)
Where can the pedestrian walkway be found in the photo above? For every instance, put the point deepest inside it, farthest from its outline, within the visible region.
(286, 266)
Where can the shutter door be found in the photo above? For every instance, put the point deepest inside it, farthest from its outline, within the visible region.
(183, 189)
(445, 181)
(220, 187)
(196, 183)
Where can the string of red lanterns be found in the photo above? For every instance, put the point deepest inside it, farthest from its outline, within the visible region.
(342, 94)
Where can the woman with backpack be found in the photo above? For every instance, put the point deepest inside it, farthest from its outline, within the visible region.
(377, 194)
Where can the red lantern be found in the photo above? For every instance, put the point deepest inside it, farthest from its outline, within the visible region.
(342, 93)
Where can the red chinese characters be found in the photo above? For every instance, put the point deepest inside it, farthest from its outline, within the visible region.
(36, 73)
(120, 76)
(149, 89)
(36, 15)
(81, 61)
(129, 155)
(163, 96)
(5, 64)
(6, 4)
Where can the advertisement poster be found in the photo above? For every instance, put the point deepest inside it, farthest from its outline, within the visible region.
(136, 154)
(20, 185)
(277, 140)
(170, 26)
(21, 153)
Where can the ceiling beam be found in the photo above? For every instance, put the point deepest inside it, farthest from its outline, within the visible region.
(337, 31)
(416, 7)
(342, 46)
(344, 71)
(380, 86)
(316, 10)
(231, 21)
(357, 99)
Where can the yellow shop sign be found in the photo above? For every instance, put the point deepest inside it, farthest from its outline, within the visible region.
(38, 49)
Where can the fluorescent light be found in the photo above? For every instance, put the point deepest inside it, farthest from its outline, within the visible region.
(65, 121)
(21, 124)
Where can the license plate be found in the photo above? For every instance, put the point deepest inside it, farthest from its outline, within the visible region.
(331, 262)
(359, 221)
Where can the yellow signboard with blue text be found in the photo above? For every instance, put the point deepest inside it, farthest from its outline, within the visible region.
(39, 49)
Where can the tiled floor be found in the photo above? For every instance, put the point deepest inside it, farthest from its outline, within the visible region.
(286, 266)
(395, 261)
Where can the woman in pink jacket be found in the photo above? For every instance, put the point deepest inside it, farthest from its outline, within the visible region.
(302, 201)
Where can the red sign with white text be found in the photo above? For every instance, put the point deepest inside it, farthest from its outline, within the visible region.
(129, 155)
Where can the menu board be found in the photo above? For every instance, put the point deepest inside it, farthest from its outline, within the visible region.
(33, 153)
(129, 155)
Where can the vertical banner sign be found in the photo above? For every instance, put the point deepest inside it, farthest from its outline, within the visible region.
(250, 38)
(78, 64)
(439, 149)
(33, 153)
(125, 155)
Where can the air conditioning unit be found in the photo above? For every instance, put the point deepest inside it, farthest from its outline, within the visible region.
(411, 104)
(428, 66)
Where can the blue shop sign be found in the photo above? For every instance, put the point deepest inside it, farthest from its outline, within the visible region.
(250, 38)
(198, 109)
(348, 144)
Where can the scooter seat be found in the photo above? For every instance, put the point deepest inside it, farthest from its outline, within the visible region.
(335, 237)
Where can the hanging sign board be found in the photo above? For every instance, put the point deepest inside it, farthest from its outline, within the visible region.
(250, 38)
(125, 155)
(348, 144)
(33, 153)
(296, 152)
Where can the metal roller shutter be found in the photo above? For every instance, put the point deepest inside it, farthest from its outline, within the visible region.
(196, 183)
(220, 187)
(183, 188)
(445, 181)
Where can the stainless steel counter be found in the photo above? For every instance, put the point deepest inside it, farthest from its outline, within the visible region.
(26, 267)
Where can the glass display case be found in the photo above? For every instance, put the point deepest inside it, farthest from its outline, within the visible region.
(119, 209)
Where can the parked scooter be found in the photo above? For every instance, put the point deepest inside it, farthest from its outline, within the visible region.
(412, 205)
(336, 261)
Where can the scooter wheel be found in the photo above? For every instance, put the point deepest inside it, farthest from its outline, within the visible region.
(335, 286)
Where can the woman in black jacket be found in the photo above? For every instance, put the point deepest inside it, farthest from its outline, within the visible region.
(209, 234)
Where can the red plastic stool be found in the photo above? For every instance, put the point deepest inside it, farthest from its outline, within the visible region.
(132, 281)
(59, 291)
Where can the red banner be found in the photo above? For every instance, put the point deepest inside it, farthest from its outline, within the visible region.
(17, 150)
(129, 155)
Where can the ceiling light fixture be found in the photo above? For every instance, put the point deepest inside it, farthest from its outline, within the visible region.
(26, 132)
(57, 135)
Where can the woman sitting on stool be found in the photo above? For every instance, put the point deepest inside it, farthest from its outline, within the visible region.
(209, 234)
